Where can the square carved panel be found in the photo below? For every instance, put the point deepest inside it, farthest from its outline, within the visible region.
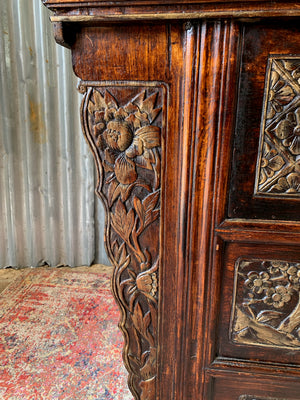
(266, 304)
(278, 164)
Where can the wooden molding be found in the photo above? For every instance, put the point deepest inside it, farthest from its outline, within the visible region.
(86, 11)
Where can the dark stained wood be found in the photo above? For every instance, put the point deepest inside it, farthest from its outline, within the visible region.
(148, 58)
(215, 58)
(64, 35)
(260, 40)
(260, 389)
(189, 155)
(256, 231)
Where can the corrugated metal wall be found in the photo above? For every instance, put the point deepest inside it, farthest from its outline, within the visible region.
(48, 210)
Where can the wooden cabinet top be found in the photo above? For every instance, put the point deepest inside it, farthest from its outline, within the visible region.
(86, 10)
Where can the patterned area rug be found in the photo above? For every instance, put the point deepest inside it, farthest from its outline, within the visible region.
(59, 338)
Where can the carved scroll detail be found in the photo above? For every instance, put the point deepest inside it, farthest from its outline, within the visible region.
(266, 307)
(123, 125)
(278, 164)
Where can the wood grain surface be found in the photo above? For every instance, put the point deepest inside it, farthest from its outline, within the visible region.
(227, 302)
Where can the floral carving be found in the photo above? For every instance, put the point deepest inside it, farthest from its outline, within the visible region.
(257, 282)
(293, 66)
(278, 296)
(280, 94)
(271, 162)
(289, 184)
(288, 131)
(266, 307)
(278, 167)
(125, 136)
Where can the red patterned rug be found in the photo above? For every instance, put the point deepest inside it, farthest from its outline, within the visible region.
(59, 338)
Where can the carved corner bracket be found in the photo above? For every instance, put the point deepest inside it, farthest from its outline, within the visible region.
(123, 124)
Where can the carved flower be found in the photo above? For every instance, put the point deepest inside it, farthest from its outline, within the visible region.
(280, 94)
(102, 117)
(257, 282)
(118, 137)
(271, 162)
(278, 266)
(127, 138)
(144, 283)
(288, 131)
(289, 184)
(277, 296)
(147, 283)
(294, 274)
(123, 145)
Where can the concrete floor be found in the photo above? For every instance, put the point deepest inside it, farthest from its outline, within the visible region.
(8, 275)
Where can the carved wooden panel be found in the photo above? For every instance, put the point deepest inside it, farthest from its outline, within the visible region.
(266, 305)
(278, 165)
(123, 124)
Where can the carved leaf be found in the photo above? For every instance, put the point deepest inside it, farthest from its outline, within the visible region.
(91, 107)
(110, 101)
(142, 323)
(149, 336)
(145, 209)
(138, 100)
(149, 203)
(150, 136)
(148, 104)
(125, 170)
(267, 316)
(138, 319)
(113, 191)
(135, 361)
(148, 107)
(100, 103)
(121, 254)
(115, 250)
(122, 221)
(146, 160)
(138, 206)
(147, 319)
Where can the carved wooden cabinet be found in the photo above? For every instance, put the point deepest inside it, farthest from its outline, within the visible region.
(192, 112)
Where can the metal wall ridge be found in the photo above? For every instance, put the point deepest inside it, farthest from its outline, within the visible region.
(48, 209)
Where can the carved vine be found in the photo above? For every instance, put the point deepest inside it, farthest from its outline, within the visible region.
(267, 303)
(278, 167)
(125, 136)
